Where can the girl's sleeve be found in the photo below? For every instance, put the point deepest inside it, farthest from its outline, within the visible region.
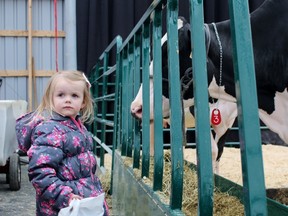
(24, 129)
(45, 156)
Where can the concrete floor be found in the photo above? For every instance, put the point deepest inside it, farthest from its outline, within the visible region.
(20, 202)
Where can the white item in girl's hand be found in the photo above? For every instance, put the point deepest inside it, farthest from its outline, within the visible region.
(92, 206)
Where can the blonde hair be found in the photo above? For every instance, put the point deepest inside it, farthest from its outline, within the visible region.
(87, 112)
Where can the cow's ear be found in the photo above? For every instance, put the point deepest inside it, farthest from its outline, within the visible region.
(182, 20)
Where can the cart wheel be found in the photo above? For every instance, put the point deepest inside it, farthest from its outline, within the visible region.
(14, 172)
(7, 178)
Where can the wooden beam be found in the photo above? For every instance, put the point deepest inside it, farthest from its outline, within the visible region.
(34, 33)
(30, 55)
(24, 73)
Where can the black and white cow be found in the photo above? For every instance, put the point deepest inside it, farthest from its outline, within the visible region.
(270, 46)
(217, 140)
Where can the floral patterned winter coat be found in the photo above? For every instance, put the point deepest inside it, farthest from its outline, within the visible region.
(61, 161)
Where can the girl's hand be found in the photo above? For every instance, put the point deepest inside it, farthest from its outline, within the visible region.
(74, 196)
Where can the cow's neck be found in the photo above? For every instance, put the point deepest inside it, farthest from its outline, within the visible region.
(215, 64)
(207, 38)
(214, 52)
(220, 53)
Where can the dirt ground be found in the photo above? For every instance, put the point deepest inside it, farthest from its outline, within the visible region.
(275, 164)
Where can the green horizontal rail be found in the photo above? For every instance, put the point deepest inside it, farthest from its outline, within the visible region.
(105, 122)
(107, 73)
(105, 97)
(138, 27)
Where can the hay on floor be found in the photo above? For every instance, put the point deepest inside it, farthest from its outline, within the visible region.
(274, 158)
(224, 204)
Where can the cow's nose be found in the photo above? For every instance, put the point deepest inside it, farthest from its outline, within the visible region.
(134, 115)
(136, 111)
(136, 108)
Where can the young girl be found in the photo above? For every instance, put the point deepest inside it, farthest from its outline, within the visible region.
(61, 162)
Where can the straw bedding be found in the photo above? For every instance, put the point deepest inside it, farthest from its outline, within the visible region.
(276, 175)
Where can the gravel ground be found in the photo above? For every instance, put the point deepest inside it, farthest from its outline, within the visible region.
(21, 202)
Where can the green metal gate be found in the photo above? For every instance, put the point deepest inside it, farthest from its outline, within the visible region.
(131, 140)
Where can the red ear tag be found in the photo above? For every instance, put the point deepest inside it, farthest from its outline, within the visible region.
(215, 116)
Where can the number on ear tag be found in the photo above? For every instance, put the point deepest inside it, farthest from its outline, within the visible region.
(215, 116)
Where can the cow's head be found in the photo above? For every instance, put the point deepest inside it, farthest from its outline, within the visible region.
(185, 66)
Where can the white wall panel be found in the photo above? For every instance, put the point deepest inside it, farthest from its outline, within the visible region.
(14, 49)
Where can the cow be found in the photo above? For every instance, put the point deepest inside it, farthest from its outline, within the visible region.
(217, 140)
(270, 46)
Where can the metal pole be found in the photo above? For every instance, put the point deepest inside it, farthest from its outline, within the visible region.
(30, 63)
(70, 49)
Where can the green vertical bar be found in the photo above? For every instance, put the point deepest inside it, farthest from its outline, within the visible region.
(104, 107)
(116, 106)
(91, 79)
(129, 95)
(202, 131)
(157, 87)
(120, 92)
(136, 125)
(95, 93)
(175, 102)
(248, 118)
(146, 100)
(124, 103)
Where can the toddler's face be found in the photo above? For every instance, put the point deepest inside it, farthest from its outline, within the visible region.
(68, 97)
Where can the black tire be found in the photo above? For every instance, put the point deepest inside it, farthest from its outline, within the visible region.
(14, 172)
(7, 178)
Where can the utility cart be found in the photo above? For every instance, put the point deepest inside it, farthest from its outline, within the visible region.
(10, 110)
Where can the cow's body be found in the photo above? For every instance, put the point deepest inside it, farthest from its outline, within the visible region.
(270, 44)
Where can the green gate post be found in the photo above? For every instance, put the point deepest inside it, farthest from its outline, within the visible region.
(203, 138)
(95, 93)
(116, 128)
(176, 125)
(157, 87)
(104, 107)
(125, 102)
(129, 95)
(248, 118)
(146, 100)
(136, 124)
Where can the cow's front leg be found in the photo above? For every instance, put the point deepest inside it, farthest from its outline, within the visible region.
(214, 149)
(166, 124)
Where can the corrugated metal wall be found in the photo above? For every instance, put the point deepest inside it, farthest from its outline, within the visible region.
(14, 46)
